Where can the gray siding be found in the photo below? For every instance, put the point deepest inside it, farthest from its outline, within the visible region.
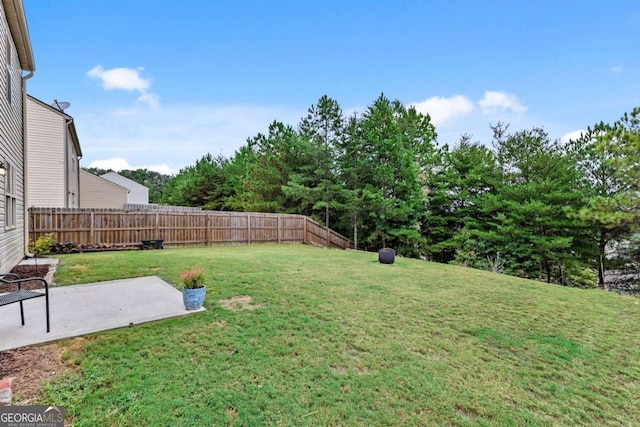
(138, 193)
(11, 148)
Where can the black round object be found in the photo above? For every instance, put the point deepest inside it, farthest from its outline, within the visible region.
(386, 256)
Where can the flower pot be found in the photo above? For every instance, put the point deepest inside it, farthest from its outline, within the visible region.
(193, 298)
(386, 256)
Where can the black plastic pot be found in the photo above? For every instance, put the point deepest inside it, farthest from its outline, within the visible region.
(386, 256)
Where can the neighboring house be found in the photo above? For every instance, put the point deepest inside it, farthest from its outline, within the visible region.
(138, 193)
(97, 192)
(15, 56)
(53, 155)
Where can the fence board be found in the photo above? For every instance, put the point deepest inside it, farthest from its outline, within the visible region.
(178, 228)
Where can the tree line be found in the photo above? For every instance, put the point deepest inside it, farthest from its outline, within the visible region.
(522, 203)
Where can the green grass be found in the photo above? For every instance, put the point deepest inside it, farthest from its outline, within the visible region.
(343, 340)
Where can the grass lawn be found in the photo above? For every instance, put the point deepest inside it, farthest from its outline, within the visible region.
(340, 339)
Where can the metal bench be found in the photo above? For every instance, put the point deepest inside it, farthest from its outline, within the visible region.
(20, 294)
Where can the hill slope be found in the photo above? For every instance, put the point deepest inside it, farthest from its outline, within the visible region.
(335, 338)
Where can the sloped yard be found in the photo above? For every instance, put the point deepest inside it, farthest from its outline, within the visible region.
(297, 335)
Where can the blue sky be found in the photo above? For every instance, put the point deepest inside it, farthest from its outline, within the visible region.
(158, 84)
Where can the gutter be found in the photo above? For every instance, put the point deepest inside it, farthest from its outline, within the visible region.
(65, 168)
(24, 164)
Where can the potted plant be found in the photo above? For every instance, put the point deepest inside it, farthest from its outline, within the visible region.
(194, 288)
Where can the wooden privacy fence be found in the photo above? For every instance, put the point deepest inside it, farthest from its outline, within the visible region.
(129, 228)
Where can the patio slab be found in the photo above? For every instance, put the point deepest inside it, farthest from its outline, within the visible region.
(94, 307)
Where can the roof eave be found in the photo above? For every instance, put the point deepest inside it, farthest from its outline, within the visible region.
(14, 11)
(71, 125)
(74, 138)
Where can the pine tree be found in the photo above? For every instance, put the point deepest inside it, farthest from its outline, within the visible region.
(609, 156)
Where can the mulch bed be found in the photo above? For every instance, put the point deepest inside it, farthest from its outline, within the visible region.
(25, 271)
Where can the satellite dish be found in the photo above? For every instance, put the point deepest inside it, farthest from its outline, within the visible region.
(62, 105)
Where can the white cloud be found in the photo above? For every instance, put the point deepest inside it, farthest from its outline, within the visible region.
(125, 79)
(174, 136)
(120, 78)
(152, 99)
(118, 164)
(115, 163)
(495, 102)
(573, 135)
(163, 168)
(617, 68)
(443, 109)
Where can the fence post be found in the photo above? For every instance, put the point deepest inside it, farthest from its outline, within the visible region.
(304, 227)
(208, 243)
(278, 228)
(157, 236)
(248, 229)
(91, 235)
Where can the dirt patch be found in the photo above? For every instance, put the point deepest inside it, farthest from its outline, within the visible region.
(31, 367)
(340, 370)
(221, 324)
(239, 303)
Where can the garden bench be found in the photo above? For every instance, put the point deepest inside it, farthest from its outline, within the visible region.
(156, 243)
(20, 295)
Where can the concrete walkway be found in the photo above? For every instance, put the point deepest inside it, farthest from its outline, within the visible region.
(85, 309)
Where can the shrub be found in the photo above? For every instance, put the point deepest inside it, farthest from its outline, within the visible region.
(192, 279)
(42, 245)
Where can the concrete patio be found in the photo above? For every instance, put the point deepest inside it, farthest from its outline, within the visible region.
(94, 307)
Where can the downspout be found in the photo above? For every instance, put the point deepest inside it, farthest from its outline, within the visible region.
(65, 174)
(75, 148)
(24, 164)
(78, 176)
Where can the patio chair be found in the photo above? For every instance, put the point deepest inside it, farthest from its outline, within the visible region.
(20, 294)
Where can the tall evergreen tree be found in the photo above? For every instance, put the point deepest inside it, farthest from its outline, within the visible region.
(530, 223)
(384, 156)
(456, 187)
(351, 163)
(609, 156)
(265, 167)
(201, 185)
(317, 184)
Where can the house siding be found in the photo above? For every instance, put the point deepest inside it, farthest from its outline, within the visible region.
(45, 153)
(97, 192)
(138, 193)
(72, 178)
(11, 148)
